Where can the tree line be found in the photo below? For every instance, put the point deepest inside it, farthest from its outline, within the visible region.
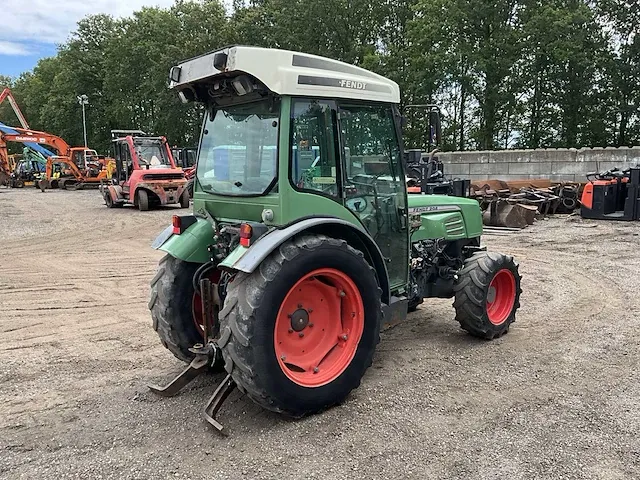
(507, 73)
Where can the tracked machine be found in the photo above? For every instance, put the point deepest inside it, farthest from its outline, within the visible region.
(303, 243)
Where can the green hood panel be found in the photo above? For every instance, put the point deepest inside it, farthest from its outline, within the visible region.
(446, 217)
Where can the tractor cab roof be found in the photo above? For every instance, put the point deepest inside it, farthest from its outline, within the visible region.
(241, 70)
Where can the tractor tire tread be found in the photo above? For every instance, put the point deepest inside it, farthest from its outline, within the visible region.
(242, 308)
(176, 332)
(471, 289)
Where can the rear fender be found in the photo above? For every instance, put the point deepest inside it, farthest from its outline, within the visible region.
(191, 245)
(248, 259)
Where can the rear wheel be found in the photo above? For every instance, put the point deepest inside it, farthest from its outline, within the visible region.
(189, 187)
(173, 303)
(18, 183)
(143, 200)
(487, 294)
(298, 334)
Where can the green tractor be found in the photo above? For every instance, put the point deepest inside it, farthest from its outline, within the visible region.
(303, 243)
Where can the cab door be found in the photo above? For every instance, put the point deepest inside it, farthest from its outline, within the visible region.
(374, 186)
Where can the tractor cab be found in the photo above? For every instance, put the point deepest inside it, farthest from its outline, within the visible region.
(87, 161)
(145, 172)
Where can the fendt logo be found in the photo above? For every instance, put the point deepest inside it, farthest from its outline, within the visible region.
(353, 84)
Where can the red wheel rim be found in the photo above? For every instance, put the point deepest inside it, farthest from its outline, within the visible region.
(318, 327)
(501, 296)
(196, 301)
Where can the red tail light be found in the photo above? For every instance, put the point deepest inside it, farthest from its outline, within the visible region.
(177, 225)
(246, 232)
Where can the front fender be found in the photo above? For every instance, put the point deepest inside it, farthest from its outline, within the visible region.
(248, 259)
(191, 245)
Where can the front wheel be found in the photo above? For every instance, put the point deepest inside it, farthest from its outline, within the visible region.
(298, 333)
(143, 200)
(487, 294)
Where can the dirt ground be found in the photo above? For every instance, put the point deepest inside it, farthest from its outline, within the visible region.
(558, 397)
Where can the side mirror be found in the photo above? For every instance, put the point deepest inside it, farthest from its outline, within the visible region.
(435, 127)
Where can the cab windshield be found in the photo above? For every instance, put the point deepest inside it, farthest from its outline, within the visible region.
(239, 149)
(152, 153)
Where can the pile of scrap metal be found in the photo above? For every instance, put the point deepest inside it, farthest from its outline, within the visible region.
(516, 204)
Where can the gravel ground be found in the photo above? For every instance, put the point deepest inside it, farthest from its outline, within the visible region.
(556, 398)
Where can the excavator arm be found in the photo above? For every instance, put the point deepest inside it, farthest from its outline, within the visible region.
(6, 94)
(75, 171)
(23, 135)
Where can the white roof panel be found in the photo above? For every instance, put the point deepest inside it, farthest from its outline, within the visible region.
(292, 73)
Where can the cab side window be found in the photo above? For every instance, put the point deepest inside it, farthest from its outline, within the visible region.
(313, 151)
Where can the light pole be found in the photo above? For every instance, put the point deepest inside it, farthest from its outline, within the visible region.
(84, 100)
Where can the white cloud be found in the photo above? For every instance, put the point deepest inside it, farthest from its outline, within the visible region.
(47, 21)
(12, 48)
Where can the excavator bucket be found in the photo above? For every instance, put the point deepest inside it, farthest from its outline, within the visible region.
(504, 214)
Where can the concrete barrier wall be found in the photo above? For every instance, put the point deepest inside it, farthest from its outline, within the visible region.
(566, 164)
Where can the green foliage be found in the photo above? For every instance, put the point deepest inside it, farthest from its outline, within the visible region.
(508, 73)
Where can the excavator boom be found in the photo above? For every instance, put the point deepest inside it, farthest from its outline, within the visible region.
(6, 94)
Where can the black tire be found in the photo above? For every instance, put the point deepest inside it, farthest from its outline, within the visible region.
(248, 318)
(108, 201)
(184, 199)
(143, 200)
(189, 187)
(18, 184)
(472, 289)
(170, 305)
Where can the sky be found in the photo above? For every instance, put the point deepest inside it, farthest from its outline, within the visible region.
(31, 29)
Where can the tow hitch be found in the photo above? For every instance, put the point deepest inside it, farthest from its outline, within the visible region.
(206, 355)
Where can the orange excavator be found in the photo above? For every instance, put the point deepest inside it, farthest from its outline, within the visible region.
(72, 168)
(7, 163)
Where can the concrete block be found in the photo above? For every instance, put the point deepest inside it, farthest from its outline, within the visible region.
(553, 155)
(461, 157)
(572, 168)
(601, 166)
(602, 155)
(633, 156)
(457, 169)
(511, 156)
(559, 178)
(477, 178)
(488, 168)
(533, 168)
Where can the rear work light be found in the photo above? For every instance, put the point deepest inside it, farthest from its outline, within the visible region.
(181, 223)
(246, 232)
